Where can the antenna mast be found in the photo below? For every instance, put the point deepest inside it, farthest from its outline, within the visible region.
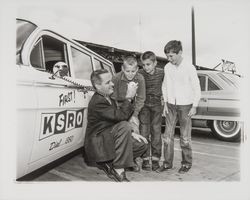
(193, 39)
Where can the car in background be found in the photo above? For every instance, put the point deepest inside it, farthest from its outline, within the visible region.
(219, 106)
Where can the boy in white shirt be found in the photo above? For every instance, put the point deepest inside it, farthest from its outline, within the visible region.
(181, 94)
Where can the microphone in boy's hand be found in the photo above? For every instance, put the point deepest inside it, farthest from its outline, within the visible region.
(133, 84)
(132, 87)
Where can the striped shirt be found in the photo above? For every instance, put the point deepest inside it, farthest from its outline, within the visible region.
(153, 86)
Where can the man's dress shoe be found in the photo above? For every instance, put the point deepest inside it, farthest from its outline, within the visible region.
(111, 173)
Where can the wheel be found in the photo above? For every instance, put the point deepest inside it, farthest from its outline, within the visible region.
(226, 130)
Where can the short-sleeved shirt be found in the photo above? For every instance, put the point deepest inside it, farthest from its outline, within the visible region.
(153, 86)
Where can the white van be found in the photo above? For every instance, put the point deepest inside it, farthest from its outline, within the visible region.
(51, 107)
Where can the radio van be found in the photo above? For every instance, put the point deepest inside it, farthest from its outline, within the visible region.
(53, 91)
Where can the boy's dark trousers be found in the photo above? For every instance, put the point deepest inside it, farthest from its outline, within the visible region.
(150, 127)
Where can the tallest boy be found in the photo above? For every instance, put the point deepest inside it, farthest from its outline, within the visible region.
(181, 93)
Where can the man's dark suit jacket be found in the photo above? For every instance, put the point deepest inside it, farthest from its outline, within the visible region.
(102, 116)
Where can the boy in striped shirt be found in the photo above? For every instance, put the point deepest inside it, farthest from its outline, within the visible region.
(151, 114)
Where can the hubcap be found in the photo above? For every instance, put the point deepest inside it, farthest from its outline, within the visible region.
(227, 128)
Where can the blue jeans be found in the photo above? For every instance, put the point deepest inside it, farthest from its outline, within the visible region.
(150, 127)
(178, 112)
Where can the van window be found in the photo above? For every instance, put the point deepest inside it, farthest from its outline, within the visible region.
(23, 31)
(105, 66)
(54, 51)
(37, 57)
(98, 64)
(46, 52)
(82, 64)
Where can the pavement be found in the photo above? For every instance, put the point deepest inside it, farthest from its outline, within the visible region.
(213, 160)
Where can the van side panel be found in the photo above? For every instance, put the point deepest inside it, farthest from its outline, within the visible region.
(61, 119)
(26, 117)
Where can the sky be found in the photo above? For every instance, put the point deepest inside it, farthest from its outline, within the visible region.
(222, 27)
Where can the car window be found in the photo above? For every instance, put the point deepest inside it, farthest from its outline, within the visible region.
(105, 66)
(37, 56)
(54, 51)
(202, 80)
(212, 85)
(46, 52)
(23, 30)
(82, 64)
(101, 65)
(230, 79)
(98, 64)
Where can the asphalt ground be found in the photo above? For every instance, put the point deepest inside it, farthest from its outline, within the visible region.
(213, 160)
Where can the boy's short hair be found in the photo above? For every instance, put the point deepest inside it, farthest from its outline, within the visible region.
(95, 76)
(148, 55)
(130, 60)
(173, 46)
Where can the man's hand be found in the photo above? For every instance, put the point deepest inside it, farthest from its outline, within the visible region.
(131, 91)
(134, 120)
(135, 124)
(139, 138)
(192, 111)
(165, 141)
(165, 109)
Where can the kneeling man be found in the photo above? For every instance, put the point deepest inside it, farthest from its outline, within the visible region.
(109, 141)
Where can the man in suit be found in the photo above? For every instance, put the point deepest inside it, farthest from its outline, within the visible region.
(109, 141)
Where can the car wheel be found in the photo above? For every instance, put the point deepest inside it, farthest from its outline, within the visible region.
(226, 130)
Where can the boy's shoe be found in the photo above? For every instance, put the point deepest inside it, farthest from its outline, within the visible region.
(135, 168)
(164, 167)
(146, 165)
(184, 169)
(155, 165)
